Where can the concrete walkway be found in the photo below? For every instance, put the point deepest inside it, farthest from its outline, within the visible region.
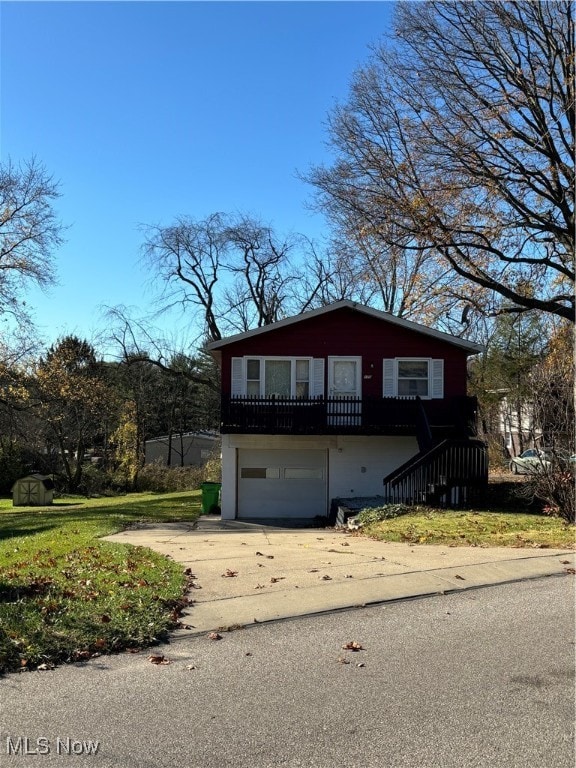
(248, 573)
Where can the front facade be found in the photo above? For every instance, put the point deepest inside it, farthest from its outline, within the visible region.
(329, 404)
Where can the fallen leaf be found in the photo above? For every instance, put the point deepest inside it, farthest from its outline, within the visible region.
(259, 554)
(230, 574)
(81, 655)
(352, 645)
(105, 618)
(46, 666)
(274, 579)
(314, 570)
(260, 586)
(326, 577)
(343, 660)
(565, 562)
(569, 570)
(270, 557)
(361, 664)
(247, 653)
(190, 666)
(214, 636)
(158, 659)
(459, 577)
(344, 544)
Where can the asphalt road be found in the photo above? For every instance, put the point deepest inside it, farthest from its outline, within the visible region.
(481, 679)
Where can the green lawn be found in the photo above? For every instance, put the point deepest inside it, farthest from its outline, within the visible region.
(482, 529)
(66, 595)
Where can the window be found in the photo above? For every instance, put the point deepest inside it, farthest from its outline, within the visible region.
(277, 377)
(273, 376)
(253, 377)
(303, 473)
(302, 378)
(260, 473)
(413, 377)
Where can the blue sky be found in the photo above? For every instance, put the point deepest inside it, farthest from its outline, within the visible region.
(149, 110)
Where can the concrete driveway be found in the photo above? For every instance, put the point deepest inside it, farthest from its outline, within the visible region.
(248, 573)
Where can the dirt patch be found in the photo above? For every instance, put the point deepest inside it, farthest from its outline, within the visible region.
(504, 493)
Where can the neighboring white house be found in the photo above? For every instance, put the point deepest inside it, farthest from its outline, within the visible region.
(189, 449)
(517, 424)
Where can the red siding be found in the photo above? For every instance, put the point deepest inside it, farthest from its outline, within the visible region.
(346, 332)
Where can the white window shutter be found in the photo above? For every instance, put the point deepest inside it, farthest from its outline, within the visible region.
(389, 388)
(238, 387)
(437, 388)
(317, 383)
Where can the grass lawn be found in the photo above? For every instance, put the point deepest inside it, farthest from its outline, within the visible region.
(480, 529)
(66, 595)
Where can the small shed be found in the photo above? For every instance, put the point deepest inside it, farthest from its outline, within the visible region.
(34, 490)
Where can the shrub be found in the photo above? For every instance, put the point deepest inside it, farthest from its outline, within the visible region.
(158, 478)
(554, 487)
(95, 481)
(386, 512)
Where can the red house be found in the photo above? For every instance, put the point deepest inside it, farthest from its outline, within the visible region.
(345, 401)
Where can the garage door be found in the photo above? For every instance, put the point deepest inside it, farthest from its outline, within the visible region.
(281, 483)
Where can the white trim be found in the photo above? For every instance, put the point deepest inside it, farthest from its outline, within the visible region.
(317, 383)
(469, 346)
(435, 377)
(345, 358)
(262, 359)
(238, 376)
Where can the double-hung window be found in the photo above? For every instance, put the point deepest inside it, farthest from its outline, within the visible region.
(413, 377)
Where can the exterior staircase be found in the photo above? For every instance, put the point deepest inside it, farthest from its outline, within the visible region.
(450, 472)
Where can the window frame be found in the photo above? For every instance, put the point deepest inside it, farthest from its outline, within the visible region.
(428, 379)
(393, 380)
(294, 381)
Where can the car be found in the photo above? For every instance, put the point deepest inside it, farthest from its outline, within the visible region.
(530, 461)
(539, 459)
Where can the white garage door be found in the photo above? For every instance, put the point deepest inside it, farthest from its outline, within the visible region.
(281, 483)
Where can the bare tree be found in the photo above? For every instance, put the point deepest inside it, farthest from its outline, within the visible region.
(455, 150)
(260, 263)
(235, 270)
(187, 256)
(29, 233)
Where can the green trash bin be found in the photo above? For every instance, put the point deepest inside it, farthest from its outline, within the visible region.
(211, 498)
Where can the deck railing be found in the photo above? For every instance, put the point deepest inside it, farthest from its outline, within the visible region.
(453, 473)
(451, 417)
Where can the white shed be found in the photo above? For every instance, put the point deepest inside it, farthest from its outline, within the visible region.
(34, 490)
